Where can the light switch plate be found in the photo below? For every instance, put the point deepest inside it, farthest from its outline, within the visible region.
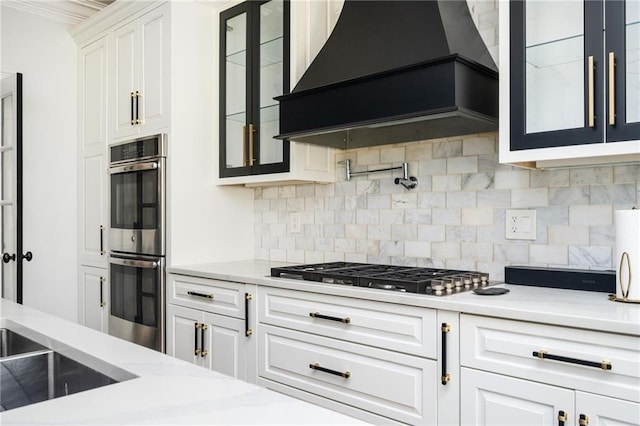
(520, 225)
(294, 222)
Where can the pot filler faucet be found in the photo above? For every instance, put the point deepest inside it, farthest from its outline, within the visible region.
(409, 182)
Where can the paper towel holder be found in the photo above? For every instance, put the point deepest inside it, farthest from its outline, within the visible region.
(624, 291)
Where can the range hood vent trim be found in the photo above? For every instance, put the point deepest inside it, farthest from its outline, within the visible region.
(451, 94)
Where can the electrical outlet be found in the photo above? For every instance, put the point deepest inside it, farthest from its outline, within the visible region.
(294, 222)
(520, 225)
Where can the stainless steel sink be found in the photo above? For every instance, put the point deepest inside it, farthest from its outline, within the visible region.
(31, 372)
(14, 344)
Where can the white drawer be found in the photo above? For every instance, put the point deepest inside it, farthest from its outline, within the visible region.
(507, 347)
(407, 329)
(402, 387)
(218, 297)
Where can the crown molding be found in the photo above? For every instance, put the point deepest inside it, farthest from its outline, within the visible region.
(68, 11)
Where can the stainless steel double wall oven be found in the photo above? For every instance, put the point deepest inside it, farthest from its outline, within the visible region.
(137, 251)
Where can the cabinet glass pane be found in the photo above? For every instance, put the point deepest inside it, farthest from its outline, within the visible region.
(271, 79)
(555, 65)
(632, 27)
(236, 83)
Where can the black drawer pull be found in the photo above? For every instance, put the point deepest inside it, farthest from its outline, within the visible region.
(446, 377)
(605, 365)
(317, 367)
(345, 320)
(195, 293)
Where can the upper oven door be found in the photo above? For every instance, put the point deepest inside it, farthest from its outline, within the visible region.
(138, 207)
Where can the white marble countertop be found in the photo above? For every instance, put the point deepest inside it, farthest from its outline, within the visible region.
(573, 308)
(166, 391)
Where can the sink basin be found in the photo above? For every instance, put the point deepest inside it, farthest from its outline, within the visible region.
(31, 372)
(14, 344)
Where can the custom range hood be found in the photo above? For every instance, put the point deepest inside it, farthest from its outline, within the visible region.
(395, 71)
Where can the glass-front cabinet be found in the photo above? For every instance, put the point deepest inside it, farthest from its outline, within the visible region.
(254, 69)
(574, 73)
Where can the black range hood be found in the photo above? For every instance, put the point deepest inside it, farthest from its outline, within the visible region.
(395, 71)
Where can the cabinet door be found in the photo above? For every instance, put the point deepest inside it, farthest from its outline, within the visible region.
(492, 399)
(556, 73)
(226, 345)
(96, 295)
(601, 410)
(153, 66)
(254, 68)
(622, 33)
(183, 333)
(93, 145)
(125, 47)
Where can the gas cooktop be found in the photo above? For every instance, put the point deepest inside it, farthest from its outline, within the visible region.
(436, 282)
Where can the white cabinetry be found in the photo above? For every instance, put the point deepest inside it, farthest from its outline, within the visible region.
(525, 373)
(377, 360)
(92, 194)
(140, 75)
(207, 324)
(95, 292)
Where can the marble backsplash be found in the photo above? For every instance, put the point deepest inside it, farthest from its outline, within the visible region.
(455, 218)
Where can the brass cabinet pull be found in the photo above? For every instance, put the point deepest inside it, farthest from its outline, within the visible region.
(251, 132)
(612, 89)
(562, 417)
(244, 145)
(317, 367)
(203, 351)
(584, 420)
(197, 294)
(542, 354)
(247, 331)
(591, 100)
(345, 320)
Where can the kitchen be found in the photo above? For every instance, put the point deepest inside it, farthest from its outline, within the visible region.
(454, 218)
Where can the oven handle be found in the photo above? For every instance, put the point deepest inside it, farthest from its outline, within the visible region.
(134, 167)
(146, 264)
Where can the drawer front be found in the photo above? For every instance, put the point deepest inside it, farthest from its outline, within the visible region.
(390, 384)
(407, 329)
(602, 363)
(218, 297)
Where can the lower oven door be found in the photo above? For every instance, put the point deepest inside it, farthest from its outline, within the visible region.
(137, 299)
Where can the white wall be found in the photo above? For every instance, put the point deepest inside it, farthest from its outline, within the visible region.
(46, 55)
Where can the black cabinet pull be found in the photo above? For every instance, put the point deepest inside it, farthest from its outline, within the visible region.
(196, 351)
(247, 331)
(101, 240)
(138, 107)
(28, 256)
(317, 367)
(542, 354)
(345, 320)
(102, 304)
(132, 119)
(198, 294)
(583, 420)
(562, 417)
(6, 257)
(203, 351)
(446, 377)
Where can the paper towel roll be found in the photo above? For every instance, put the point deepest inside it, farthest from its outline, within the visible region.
(627, 257)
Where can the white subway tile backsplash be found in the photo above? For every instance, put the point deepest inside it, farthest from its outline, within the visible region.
(509, 179)
(455, 218)
(591, 176)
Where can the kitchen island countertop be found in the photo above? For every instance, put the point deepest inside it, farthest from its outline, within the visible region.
(166, 391)
(571, 308)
